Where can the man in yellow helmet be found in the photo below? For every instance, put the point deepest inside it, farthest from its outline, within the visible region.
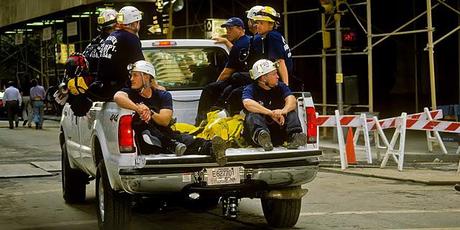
(270, 44)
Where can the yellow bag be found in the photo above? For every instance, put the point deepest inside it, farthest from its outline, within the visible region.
(228, 128)
(183, 127)
(81, 84)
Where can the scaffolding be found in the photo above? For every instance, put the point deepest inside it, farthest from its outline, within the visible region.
(371, 44)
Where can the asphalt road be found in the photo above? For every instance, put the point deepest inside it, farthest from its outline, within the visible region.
(334, 201)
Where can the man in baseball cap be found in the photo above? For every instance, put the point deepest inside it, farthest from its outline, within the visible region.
(234, 21)
(231, 74)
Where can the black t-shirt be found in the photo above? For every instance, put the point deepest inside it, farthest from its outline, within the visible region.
(160, 99)
(273, 47)
(92, 52)
(119, 49)
(270, 99)
(236, 58)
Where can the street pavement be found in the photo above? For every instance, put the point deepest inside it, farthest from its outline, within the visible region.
(420, 165)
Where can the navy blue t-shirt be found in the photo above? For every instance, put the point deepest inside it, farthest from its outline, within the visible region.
(119, 49)
(92, 52)
(159, 100)
(270, 99)
(236, 58)
(273, 47)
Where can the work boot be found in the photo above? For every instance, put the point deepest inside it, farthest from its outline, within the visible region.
(218, 150)
(180, 148)
(264, 140)
(457, 187)
(297, 140)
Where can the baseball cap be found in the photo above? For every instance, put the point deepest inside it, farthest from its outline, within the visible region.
(234, 21)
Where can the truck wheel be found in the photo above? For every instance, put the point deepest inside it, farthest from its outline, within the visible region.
(113, 208)
(73, 180)
(281, 213)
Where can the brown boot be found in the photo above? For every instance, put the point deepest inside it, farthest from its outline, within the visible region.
(218, 150)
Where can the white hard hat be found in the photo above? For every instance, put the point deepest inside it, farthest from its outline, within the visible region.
(129, 14)
(107, 17)
(262, 67)
(253, 11)
(143, 66)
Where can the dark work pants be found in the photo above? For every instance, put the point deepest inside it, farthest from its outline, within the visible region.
(255, 122)
(12, 111)
(221, 94)
(209, 98)
(168, 137)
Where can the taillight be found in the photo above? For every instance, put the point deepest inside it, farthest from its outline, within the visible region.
(164, 43)
(312, 129)
(125, 134)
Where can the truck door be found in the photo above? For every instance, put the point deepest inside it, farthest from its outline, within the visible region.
(70, 126)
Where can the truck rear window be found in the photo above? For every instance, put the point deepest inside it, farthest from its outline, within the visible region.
(186, 68)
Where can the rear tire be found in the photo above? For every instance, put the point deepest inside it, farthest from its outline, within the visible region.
(113, 208)
(281, 213)
(73, 180)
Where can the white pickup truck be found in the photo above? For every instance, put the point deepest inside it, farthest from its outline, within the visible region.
(101, 145)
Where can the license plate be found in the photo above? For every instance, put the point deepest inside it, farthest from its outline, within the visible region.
(223, 175)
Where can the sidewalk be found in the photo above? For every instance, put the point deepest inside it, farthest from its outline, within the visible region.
(48, 121)
(420, 166)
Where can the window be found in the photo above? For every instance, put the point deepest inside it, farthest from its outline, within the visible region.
(186, 68)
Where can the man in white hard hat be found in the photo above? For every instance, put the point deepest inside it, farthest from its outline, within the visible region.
(119, 49)
(154, 110)
(271, 118)
(250, 14)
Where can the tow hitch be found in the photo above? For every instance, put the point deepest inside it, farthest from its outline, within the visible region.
(230, 207)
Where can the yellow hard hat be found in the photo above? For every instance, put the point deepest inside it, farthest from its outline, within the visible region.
(267, 14)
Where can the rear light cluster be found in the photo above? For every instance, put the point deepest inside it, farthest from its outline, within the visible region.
(126, 134)
(312, 127)
(164, 43)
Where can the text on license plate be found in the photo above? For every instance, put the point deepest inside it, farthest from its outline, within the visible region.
(223, 175)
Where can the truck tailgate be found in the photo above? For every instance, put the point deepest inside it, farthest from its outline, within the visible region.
(248, 158)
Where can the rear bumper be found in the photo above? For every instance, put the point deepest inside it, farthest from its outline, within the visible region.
(256, 175)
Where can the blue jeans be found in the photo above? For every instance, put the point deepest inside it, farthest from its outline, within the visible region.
(38, 109)
(256, 122)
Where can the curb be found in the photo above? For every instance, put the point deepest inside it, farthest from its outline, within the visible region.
(395, 177)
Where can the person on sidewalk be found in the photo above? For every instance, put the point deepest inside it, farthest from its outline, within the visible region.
(26, 111)
(152, 121)
(37, 96)
(13, 100)
(271, 118)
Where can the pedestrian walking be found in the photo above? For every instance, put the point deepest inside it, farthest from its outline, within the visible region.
(37, 96)
(26, 111)
(13, 100)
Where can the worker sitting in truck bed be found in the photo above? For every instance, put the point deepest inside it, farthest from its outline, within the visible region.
(153, 117)
(270, 110)
(234, 74)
